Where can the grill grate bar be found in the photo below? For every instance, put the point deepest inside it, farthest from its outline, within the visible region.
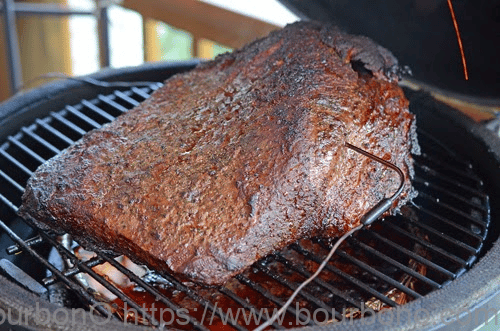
(354, 281)
(451, 168)
(55, 132)
(126, 98)
(449, 180)
(415, 256)
(265, 293)
(93, 262)
(11, 181)
(156, 86)
(8, 203)
(97, 110)
(68, 124)
(140, 92)
(133, 277)
(200, 300)
(80, 291)
(297, 268)
(395, 263)
(32, 242)
(246, 305)
(26, 149)
(438, 188)
(100, 279)
(40, 140)
(443, 148)
(309, 297)
(452, 209)
(83, 117)
(378, 274)
(427, 244)
(452, 224)
(112, 103)
(444, 236)
(15, 162)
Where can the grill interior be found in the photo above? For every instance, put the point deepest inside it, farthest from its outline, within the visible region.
(435, 240)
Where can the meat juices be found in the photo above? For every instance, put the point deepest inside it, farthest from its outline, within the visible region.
(237, 158)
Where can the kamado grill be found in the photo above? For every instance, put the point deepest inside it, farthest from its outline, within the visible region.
(435, 266)
(425, 260)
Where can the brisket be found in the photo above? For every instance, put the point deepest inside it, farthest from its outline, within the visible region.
(237, 158)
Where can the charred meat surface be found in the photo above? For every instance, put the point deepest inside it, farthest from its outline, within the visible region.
(237, 158)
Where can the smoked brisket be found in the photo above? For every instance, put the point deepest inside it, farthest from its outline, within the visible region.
(237, 158)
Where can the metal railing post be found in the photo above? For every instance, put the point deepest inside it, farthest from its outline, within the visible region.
(103, 29)
(13, 56)
(10, 9)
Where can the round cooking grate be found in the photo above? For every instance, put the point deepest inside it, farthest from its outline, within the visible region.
(405, 257)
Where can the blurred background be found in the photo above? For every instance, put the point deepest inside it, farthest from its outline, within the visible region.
(78, 37)
(49, 39)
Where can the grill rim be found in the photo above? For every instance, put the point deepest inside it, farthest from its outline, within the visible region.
(477, 288)
(23, 108)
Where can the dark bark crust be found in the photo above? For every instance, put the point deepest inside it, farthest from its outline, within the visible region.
(237, 158)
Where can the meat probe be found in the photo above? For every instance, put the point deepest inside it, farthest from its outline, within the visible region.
(371, 216)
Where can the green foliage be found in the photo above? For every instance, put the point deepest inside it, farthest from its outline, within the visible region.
(175, 44)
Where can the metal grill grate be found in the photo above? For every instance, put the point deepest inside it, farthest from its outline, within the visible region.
(435, 240)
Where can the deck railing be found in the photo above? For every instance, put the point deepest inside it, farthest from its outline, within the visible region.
(202, 20)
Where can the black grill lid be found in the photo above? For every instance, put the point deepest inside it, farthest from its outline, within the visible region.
(420, 33)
